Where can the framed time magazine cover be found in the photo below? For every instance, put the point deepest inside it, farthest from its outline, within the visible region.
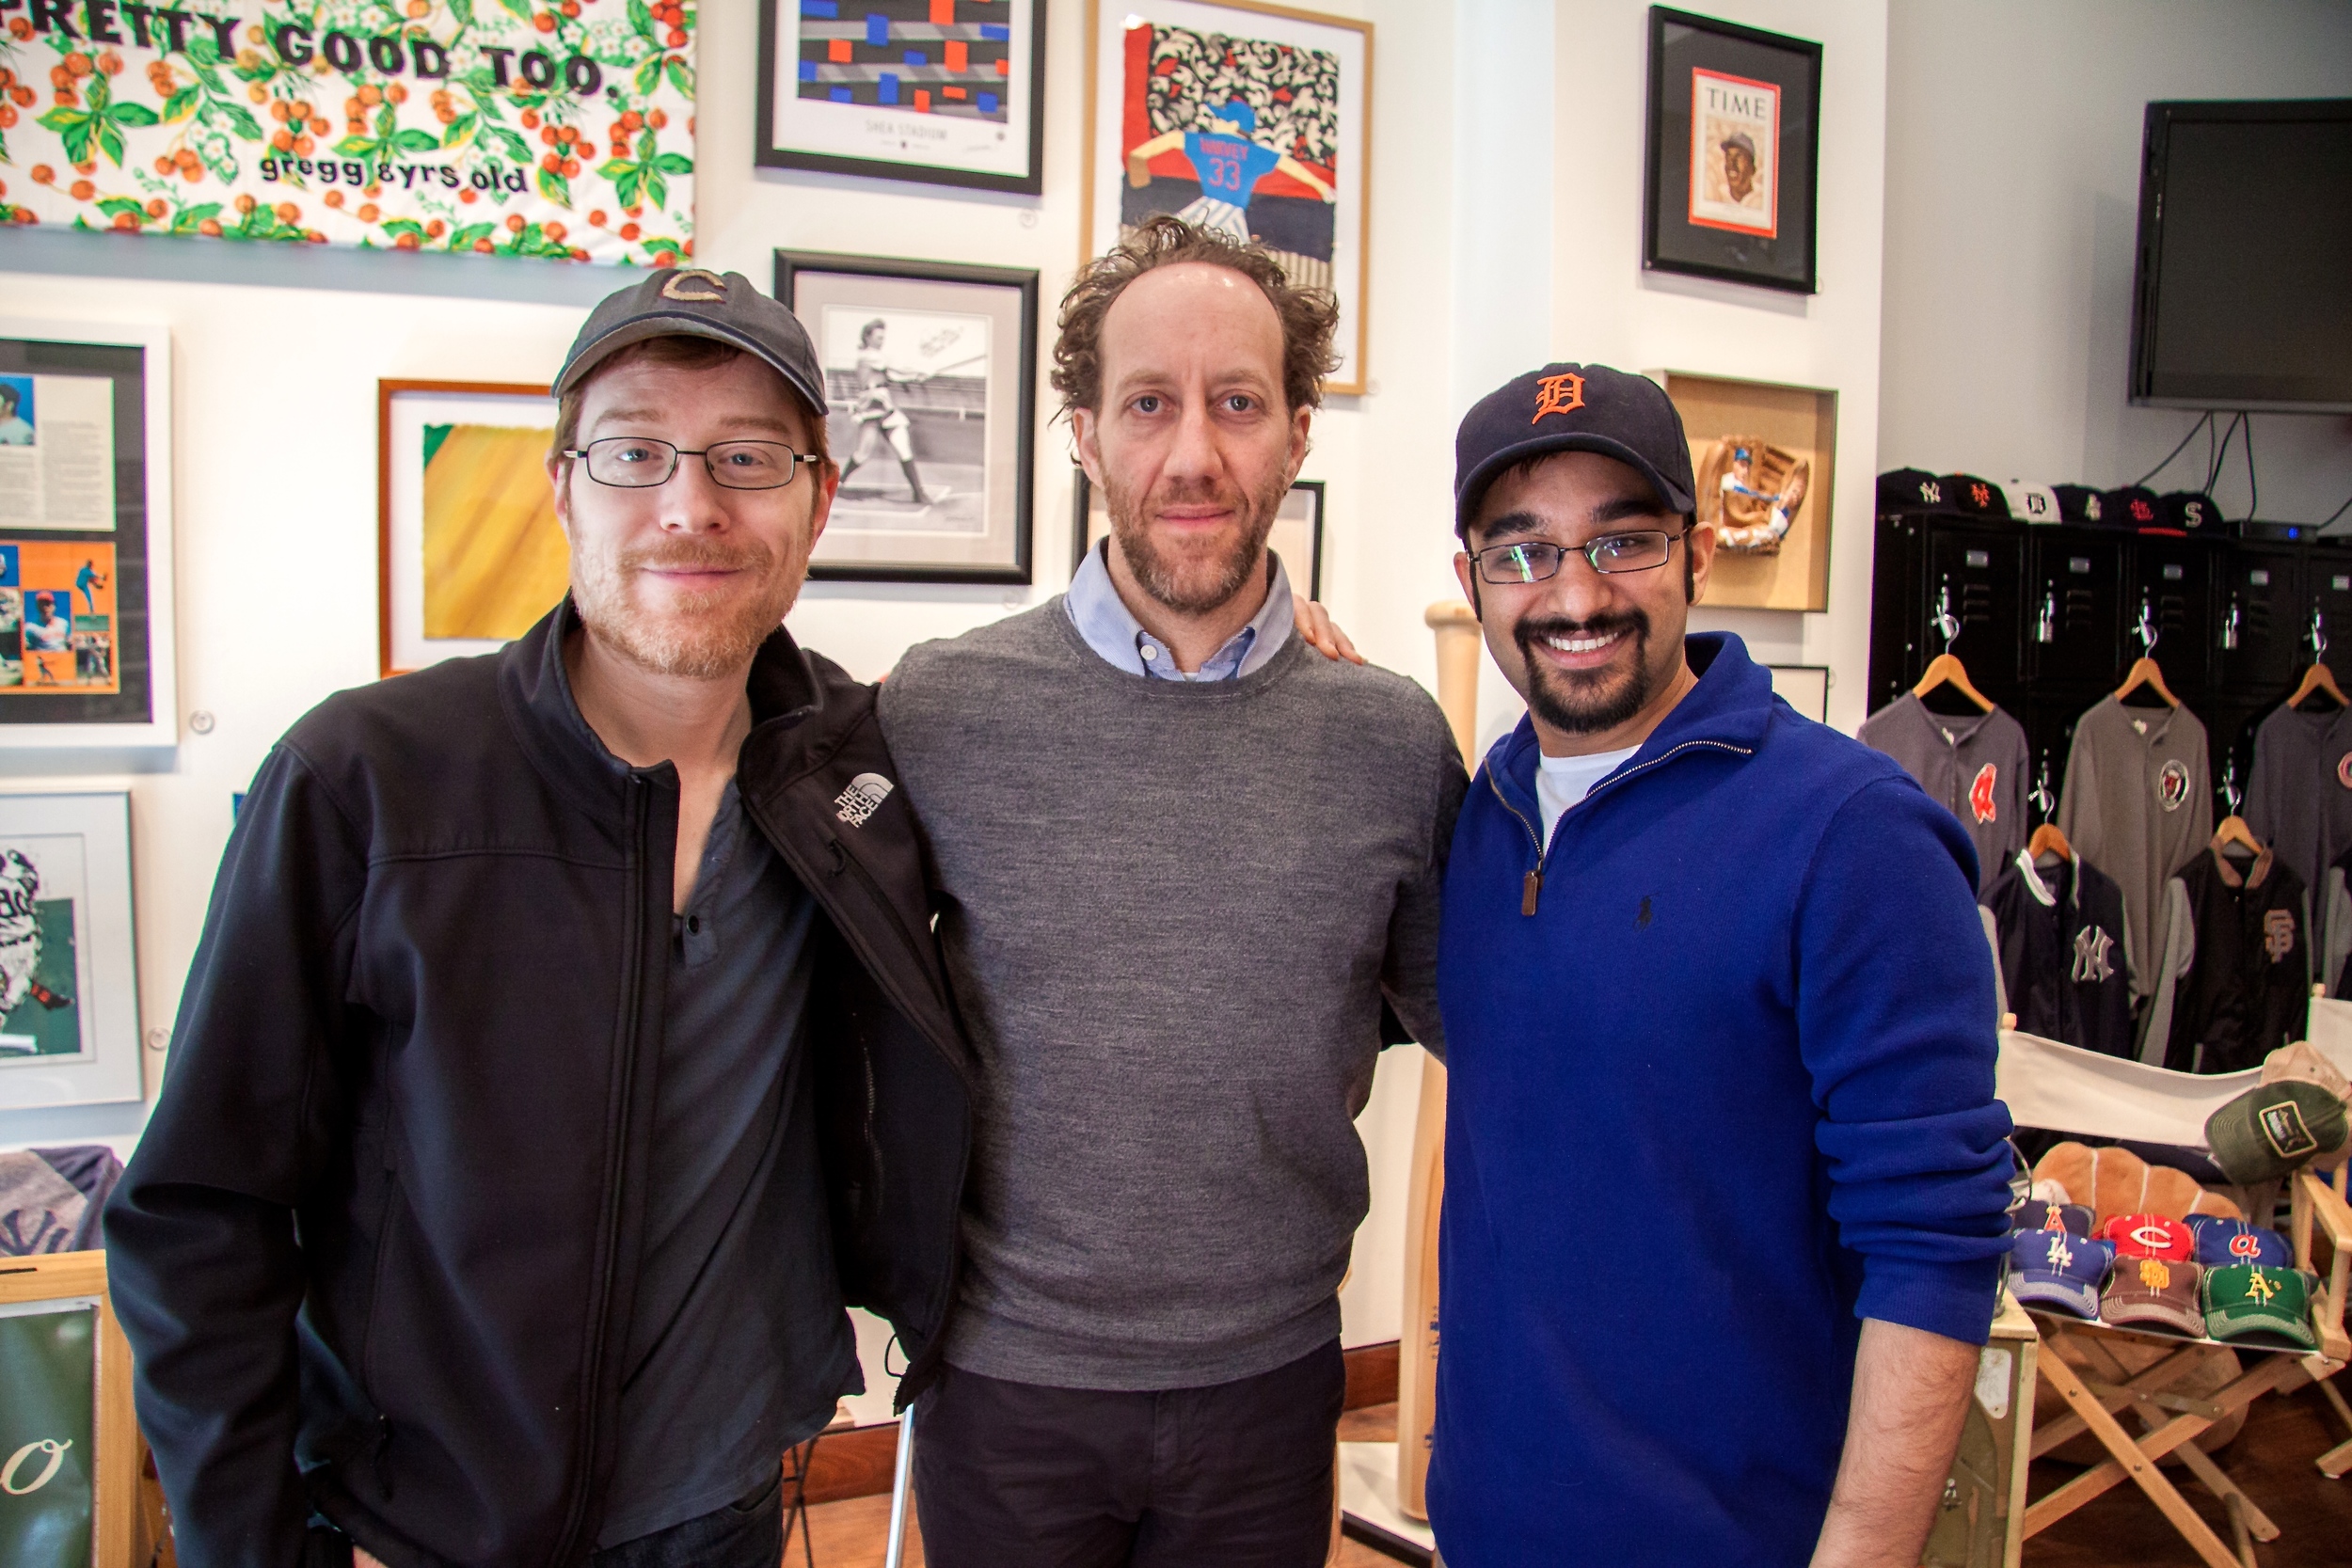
(68, 970)
(1733, 147)
(948, 92)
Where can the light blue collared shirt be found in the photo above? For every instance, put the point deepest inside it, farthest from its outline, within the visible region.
(1111, 630)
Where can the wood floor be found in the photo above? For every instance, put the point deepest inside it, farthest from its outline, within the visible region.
(2272, 1461)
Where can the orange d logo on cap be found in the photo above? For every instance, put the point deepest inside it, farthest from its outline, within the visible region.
(1558, 394)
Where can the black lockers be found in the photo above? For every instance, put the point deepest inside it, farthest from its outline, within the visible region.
(2049, 618)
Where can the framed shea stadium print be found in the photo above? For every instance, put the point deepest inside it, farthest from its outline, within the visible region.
(86, 599)
(1733, 149)
(1296, 535)
(469, 555)
(1252, 119)
(930, 391)
(945, 91)
(69, 976)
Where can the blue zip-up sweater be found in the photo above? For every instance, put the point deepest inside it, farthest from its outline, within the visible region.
(1727, 1090)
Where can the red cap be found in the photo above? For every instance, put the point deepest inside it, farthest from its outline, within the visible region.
(2149, 1236)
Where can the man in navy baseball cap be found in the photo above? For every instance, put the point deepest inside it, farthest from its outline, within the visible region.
(1682, 918)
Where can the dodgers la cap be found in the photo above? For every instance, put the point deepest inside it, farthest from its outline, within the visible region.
(2050, 1268)
(2271, 1129)
(1566, 407)
(2157, 1291)
(691, 302)
(2149, 1236)
(2222, 1240)
(2247, 1302)
(2040, 1214)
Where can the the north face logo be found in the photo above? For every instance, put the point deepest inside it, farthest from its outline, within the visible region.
(864, 795)
(1981, 793)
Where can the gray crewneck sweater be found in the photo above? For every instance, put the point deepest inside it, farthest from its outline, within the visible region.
(1170, 912)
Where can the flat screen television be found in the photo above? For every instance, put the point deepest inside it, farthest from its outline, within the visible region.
(2242, 297)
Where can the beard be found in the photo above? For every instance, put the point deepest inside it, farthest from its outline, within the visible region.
(1586, 701)
(700, 636)
(1195, 581)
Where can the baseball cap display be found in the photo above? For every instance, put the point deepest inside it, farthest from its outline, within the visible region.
(2303, 1062)
(2134, 506)
(2250, 1303)
(2228, 1240)
(1572, 408)
(2190, 510)
(2050, 1268)
(2155, 1291)
(1972, 496)
(2272, 1130)
(2038, 1214)
(2034, 503)
(1910, 490)
(2079, 503)
(2149, 1236)
(697, 304)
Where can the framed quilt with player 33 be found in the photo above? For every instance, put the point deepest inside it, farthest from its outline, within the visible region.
(1296, 535)
(950, 92)
(85, 642)
(931, 389)
(1252, 119)
(69, 973)
(1732, 151)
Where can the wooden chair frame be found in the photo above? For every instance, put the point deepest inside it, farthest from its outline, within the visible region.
(120, 1534)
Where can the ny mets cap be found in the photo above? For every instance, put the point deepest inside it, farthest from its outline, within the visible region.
(1972, 497)
(1572, 408)
(2050, 1268)
(2249, 1303)
(2272, 1128)
(696, 304)
(2149, 1236)
(2157, 1291)
(2039, 1214)
(2222, 1240)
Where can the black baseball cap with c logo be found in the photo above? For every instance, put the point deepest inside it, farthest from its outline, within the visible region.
(1568, 407)
(691, 302)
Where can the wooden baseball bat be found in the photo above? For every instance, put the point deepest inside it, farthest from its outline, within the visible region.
(1458, 645)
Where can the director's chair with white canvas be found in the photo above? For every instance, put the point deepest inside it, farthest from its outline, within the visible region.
(2101, 1370)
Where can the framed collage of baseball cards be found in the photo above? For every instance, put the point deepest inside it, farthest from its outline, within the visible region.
(1251, 120)
(948, 92)
(931, 388)
(86, 647)
(69, 993)
(1733, 146)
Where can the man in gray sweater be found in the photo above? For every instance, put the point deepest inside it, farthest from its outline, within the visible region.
(1182, 859)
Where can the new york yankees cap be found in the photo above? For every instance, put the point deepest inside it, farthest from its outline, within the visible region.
(1566, 407)
(1910, 490)
(691, 303)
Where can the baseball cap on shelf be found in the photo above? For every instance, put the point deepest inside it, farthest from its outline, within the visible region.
(1910, 490)
(2273, 1129)
(2303, 1062)
(2221, 1240)
(1972, 496)
(2190, 510)
(2079, 503)
(2050, 1268)
(1566, 407)
(2134, 506)
(2149, 1236)
(2034, 503)
(2247, 1302)
(2040, 1214)
(2158, 1290)
(691, 302)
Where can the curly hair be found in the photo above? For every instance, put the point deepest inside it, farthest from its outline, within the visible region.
(1309, 316)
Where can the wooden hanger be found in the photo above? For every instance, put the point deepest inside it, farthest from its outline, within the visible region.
(2316, 679)
(2145, 672)
(2047, 840)
(2235, 830)
(1946, 669)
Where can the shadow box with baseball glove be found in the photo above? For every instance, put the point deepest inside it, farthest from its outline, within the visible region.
(1763, 454)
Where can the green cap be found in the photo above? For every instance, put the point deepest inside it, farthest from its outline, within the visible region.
(2252, 1302)
(2269, 1131)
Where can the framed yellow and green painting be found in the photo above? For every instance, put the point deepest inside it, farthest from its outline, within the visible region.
(469, 553)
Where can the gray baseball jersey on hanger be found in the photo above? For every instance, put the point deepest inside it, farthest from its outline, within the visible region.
(2300, 799)
(2138, 803)
(1972, 765)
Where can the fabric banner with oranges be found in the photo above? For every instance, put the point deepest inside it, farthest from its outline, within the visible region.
(554, 128)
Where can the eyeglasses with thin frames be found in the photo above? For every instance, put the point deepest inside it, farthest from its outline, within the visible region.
(641, 463)
(1535, 560)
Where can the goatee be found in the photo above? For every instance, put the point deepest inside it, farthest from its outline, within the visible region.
(1586, 701)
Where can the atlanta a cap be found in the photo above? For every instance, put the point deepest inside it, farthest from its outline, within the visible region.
(2158, 1290)
(2249, 1303)
(691, 302)
(2222, 1240)
(2273, 1129)
(2050, 1268)
(1566, 407)
(2149, 1236)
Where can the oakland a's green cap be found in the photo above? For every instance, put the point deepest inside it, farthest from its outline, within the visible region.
(2252, 1302)
(2270, 1131)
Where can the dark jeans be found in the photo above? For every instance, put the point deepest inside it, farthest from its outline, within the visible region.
(747, 1533)
(1238, 1475)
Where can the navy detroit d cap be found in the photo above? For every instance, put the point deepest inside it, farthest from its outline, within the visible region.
(1572, 408)
(696, 304)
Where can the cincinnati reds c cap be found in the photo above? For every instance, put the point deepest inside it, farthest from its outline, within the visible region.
(691, 303)
(1572, 408)
(2149, 1236)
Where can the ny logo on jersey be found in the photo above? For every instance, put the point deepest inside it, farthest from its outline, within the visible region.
(2091, 947)
(2278, 933)
(1981, 793)
(864, 795)
(1558, 394)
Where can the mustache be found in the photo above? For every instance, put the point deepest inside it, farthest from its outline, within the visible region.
(696, 555)
(1535, 628)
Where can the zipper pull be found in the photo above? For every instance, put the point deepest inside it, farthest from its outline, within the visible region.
(1529, 889)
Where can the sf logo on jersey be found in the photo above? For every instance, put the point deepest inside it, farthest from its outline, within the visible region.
(1981, 793)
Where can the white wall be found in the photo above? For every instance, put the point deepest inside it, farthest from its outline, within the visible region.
(2012, 194)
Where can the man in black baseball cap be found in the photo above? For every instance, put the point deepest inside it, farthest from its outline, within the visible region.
(1681, 919)
(567, 1042)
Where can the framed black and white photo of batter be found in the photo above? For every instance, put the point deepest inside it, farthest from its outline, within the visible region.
(948, 92)
(930, 391)
(1733, 149)
(69, 971)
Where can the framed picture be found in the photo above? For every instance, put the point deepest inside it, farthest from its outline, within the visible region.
(1297, 535)
(1248, 118)
(1734, 143)
(69, 1450)
(86, 599)
(930, 389)
(1765, 456)
(69, 972)
(946, 92)
(469, 555)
